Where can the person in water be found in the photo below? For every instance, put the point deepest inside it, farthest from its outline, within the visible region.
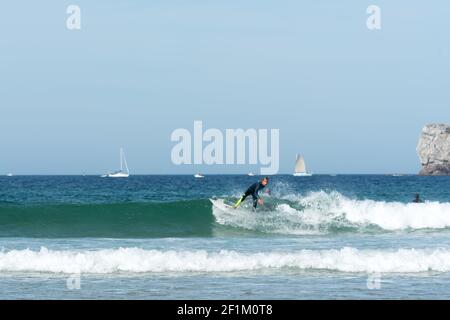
(253, 191)
(417, 199)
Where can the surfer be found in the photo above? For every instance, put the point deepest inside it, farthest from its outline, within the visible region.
(417, 199)
(253, 191)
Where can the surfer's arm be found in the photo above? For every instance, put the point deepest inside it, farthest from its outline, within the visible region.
(256, 193)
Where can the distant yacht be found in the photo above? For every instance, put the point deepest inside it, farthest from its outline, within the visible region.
(300, 167)
(121, 173)
(9, 175)
(251, 174)
(198, 176)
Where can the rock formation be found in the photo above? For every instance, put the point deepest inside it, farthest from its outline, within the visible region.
(434, 150)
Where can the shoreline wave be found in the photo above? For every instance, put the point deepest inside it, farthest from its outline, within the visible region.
(136, 260)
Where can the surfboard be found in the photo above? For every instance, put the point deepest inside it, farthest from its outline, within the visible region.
(228, 209)
(220, 204)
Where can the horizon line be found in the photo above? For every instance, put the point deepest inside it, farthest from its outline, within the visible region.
(204, 174)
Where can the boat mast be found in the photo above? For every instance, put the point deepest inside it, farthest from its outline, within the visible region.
(125, 162)
(121, 161)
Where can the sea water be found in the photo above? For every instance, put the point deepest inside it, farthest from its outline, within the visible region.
(160, 237)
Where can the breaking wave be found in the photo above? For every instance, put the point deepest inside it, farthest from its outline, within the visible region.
(322, 212)
(315, 213)
(135, 260)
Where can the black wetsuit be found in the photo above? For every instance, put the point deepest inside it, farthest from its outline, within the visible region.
(253, 191)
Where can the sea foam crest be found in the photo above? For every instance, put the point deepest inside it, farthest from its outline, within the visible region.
(324, 212)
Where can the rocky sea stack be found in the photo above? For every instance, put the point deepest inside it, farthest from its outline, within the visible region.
(434, 150)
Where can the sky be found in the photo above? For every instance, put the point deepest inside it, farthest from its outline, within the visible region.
(352, 100)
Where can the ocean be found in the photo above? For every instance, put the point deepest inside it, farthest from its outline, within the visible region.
(160, 237)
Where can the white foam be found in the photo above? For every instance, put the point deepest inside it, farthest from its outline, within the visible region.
(321, 212)
(396, 215)
(135, 260)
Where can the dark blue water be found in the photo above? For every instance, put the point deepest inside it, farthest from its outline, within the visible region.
(94, 189)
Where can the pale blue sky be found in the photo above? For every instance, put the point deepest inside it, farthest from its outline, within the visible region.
(350, 99)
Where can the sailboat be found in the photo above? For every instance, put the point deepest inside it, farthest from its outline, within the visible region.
(300, 167)
(121, 173)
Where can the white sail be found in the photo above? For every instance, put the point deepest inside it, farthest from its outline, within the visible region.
(300, 167)
(124, 161)
(121, 159)
(121, 173)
